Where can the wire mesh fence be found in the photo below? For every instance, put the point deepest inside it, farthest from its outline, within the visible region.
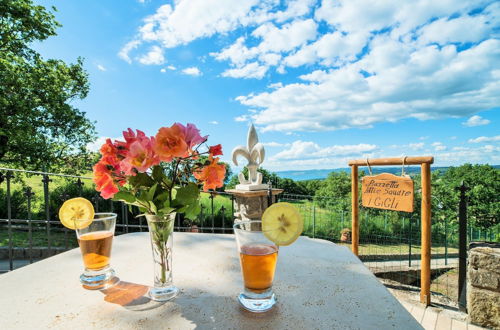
(390, 242)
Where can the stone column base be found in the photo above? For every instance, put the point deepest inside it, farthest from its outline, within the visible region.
(250, 205)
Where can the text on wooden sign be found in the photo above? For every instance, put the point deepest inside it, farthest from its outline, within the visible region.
(387, 191)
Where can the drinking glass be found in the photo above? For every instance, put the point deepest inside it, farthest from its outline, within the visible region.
(95, 243)
(258, 257)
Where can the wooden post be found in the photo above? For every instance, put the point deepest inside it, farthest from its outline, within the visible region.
(425, 272)
(355, 210)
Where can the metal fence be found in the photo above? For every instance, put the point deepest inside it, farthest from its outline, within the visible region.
(30, 229)
(389, 241)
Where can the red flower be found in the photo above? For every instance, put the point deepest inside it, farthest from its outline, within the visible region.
(215, 150)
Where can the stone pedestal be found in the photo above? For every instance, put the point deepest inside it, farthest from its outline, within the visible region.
(249, 205)
(483, 284)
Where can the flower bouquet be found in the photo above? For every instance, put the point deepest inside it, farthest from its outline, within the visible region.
(161, 175)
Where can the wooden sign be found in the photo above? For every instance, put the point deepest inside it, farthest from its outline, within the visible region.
(387, 191)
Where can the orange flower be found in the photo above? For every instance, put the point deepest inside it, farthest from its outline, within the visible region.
(170, 142)
(211, 175)
(103, 178)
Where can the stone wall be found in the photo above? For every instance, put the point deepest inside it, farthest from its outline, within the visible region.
(483, 284)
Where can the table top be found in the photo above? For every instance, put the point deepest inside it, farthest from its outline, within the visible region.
(318, 284)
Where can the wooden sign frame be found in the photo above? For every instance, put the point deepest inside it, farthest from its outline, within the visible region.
(425, 165)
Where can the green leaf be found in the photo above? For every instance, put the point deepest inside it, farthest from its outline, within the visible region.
(125, 197)
(151, 193)
(141, 180)
(162, 197)
(191, 212)
(152, 206)
(166, 210)
(158, 173)
(187, 195)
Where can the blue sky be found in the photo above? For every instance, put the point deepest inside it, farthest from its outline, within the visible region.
(323, 81)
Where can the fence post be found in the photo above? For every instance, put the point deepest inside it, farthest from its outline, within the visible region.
(212, 207)
(9, 219)
(425, 273)
(445, 241)
(409, 241)
(314, 221)
(28, 195)
(46, 181)
(355, 210)
(462, 250)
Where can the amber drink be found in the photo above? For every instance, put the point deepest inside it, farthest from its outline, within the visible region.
(95, 243)
(96, 249)
(258, 263)
(258, 257)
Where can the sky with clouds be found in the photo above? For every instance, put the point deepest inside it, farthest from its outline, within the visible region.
(323, 81)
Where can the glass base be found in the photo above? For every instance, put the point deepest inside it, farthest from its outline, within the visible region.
(163, 294)
(98, 279)
(257, 302)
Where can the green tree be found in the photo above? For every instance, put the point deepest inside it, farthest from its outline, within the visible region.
(39, 126)
(483, 196)
(337, 185)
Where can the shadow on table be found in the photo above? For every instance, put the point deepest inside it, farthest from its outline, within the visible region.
(131, 296)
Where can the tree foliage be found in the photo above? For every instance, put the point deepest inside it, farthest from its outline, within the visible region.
(39, 126)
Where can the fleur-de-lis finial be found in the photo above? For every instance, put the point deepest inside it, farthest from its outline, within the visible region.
(254, 153)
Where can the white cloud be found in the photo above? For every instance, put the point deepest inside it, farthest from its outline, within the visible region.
(101, 67)
(485, 154)
(377, 61)
(241, 118)
(192, 71)
(153, 57)
(124, 52)
(251, 70)
(308, 149)
(416, 146)
(426, 84)
(482, 139)
(214, 122)
(476, 121)
(438, 146)
(274, 144)
(169, 67)
(461, 29)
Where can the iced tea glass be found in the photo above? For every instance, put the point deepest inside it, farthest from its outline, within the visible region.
(258, 257)
(95, 243)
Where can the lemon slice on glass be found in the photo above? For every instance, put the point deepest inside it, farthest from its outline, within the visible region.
(76, 213)
(282, 223)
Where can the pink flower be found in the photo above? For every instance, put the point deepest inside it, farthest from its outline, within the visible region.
(140, 155)
(192, 135)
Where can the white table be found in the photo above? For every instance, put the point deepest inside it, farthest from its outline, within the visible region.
(319, 285)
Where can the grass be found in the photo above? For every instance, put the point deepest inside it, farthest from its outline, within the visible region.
(447, 284)
(39, 239)
(382, 249)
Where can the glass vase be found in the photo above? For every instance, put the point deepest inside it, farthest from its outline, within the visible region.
(161, 230)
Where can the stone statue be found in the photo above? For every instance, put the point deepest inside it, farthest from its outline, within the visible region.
(254, 152)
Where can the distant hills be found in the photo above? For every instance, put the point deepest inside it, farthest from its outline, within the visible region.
(322, 174)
